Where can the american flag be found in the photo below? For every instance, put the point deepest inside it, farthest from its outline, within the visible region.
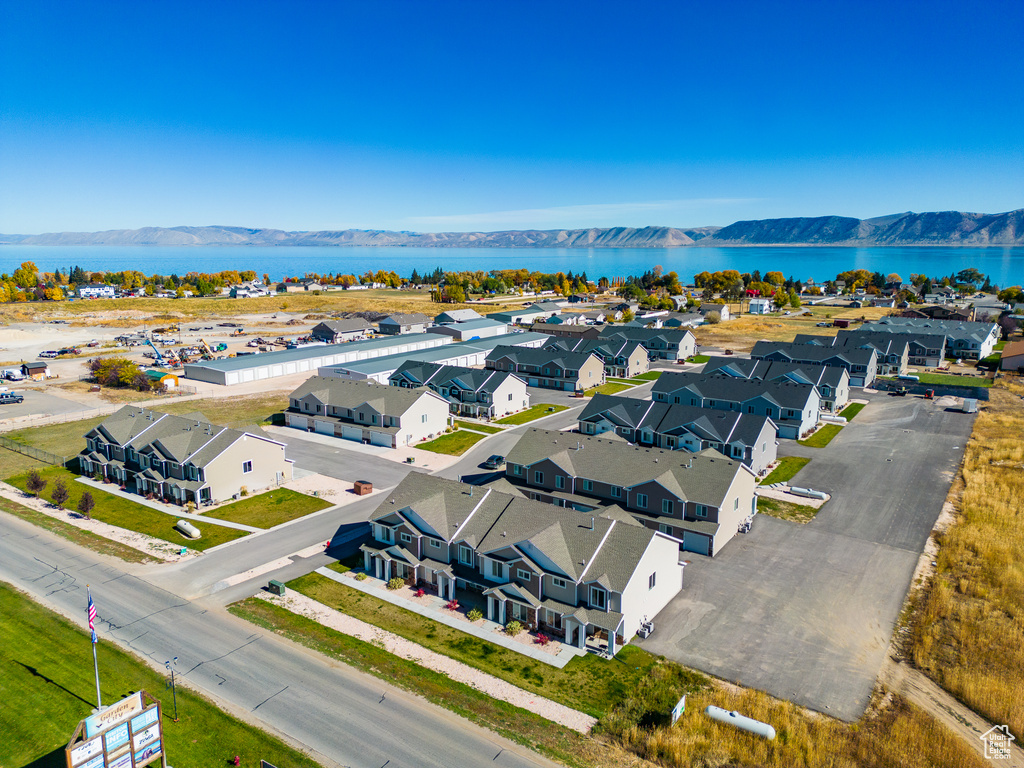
(92, 615)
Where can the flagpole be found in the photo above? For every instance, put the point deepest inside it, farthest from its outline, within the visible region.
(95, 662)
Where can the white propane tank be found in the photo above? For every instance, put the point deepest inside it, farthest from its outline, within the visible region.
(807, 493)
(741, 721)
(188, 529)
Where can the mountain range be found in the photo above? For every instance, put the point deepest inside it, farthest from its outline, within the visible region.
(938, 228)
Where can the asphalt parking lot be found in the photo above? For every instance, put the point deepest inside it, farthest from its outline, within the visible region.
(342, 462)
(806, 612)
(37, 403)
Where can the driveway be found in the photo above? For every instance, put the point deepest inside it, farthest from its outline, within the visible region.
(344, 462)
(37, 403)
(806, 612)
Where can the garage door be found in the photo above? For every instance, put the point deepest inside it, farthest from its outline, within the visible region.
(380, 438)
(262, 373)
(231, 378)
(696, 542)
(294, 420)
(247, 375)
(323, 427)
(277, 370)
(290, 368)
(352, 433)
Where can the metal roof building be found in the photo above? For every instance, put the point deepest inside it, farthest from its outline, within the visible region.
(464, 353)
(269, 365)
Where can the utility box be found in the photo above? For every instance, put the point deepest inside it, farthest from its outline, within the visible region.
(276, 587)
(362, 487)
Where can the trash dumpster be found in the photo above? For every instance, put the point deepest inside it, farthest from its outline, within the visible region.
(362, 487)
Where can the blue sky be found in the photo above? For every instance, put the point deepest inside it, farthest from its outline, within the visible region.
(436, 116)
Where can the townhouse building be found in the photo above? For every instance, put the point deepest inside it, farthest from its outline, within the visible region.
(660, 343)
(861, 363)
(182, 459)
(792, 407)
(566, 573)
(367, 412)
(964, 339)
(621, 358)
(549, 368)
(745, 437)
(699, 499)
(414, 322)
(833, 382)
(481, 394)
(339, 331)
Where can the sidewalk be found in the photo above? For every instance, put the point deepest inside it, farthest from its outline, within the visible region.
(456, 670)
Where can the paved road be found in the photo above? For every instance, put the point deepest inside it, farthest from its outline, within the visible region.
(37, 403)
(344, 717)
(342, 462)
(805, 612)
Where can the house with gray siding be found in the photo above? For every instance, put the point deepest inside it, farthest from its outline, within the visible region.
(182, 459)
(860, 363)
(965, 339)
(794, 408)
(415, 322)
(577, 576)
(700, 499)
(549, 368)
(367, 412)
(621, 358)
(833, 382)
(743, 436)
(660, 343)
(338, 331)
(471, 392)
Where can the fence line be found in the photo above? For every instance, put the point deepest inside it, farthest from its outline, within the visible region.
(34, 453)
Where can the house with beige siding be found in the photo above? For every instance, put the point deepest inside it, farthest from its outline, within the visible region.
(549, 368)
(577, 576)
(833, 382)
(700, 499)
(621, 358)
(367, 412)
(182, 459)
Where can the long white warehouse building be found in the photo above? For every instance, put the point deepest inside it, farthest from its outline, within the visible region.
(464, 353)
(269, 365)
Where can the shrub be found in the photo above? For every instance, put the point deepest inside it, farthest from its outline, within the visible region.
(60, 493)
(475, 615)
(361, 576)
(713, 318)
(513, 628)
(243, 491)
(85, 504)
(542, 639)
(396, 583)
(452, 605)
(35, 483)
(190, 506)
(421, 592)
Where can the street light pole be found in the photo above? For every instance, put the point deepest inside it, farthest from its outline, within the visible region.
(170, 665)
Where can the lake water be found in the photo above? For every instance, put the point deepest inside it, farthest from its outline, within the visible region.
(1005, 265)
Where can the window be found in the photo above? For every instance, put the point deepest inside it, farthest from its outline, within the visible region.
(651, 580)
(616, 491)
(386, 534)
(246, 466)
(666, 506)
(597, 597)
(465, 555)
(557, 582)
(662, 528)
(702, 511)
(423, 419)
(736, 503)
(559, 481)
(588, 485)
(435, 543)
(524, 575)
(517, 469)
(538, 477)
(510, 397)
(362, 416)
(406, 538)
(497, 569)
(641, 500)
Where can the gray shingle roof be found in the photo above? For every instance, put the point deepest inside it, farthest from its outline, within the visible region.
(770, 370)
(540, 356)
(436, 375)
(346, 393)
(785, 394)
(400, 318)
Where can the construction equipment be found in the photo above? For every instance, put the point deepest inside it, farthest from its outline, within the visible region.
(158, 359)
(238, 332)
(206, 348)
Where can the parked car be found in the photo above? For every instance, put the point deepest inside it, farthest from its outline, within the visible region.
(494, 462)
(7, 398)
(48, 353)
(824, 325)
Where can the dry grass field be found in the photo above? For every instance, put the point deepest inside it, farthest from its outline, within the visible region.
(968, 633)
(741, 333)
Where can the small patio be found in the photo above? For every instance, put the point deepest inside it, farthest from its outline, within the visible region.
(425, 602)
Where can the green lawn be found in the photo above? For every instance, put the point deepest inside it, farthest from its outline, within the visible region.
(608, 389)
(48, 687)
(478, 427)
(649, 376)
(588, 683)
(850, 411)
(532, 413)
(629, 382)
(268, 509)
(784, 510)
(822, 437)
(519, 725)
(74, 534)
(957, 381)
(788, 466)
(128, 514)
(698, 359)
(454, 443)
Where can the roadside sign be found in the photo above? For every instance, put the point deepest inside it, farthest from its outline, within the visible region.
(128, 734)
(678, 709)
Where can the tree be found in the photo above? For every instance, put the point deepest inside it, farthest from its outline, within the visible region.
(894, 278)
(1011, 295)
(628, 316)
(60, 493)
(774, 278)
(26, 276)
(35, 483)
(1007, 325)
(794, 300)
(969, 275)
(455, 293)
(713, 318)
(86, 504)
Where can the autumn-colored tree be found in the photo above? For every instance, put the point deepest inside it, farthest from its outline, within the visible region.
(86, 503)
(60, 494)
(35, 482)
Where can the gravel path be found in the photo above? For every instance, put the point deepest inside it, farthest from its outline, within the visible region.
(456, 670)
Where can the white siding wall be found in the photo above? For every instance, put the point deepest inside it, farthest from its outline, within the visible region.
(414, 428)
(737, 506)
(520, 398)
(224, 474)
(661, 557)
